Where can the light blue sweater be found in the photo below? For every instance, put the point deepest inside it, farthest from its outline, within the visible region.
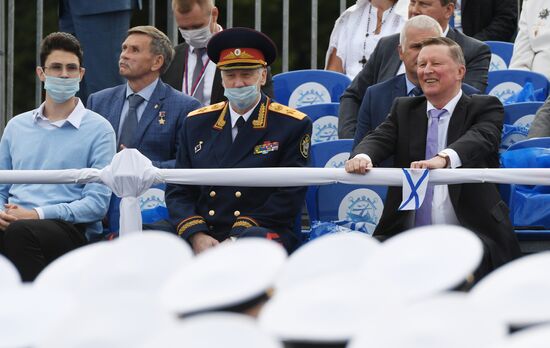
(26, 145)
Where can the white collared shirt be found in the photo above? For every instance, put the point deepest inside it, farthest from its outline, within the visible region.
(74, 118)
(442, 208)
(235, 116)
(207, 77)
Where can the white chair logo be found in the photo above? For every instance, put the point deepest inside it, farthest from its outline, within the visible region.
(309, 93)
(151, 199)
(361, 205)
(497, 63)
(325, 129)
(338, 160)
(505, 90)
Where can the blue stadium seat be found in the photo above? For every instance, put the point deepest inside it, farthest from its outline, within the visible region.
(354, 203)
(517, 121)
(529, 205)
(521, 113)
(501, 54)
(307, 87)
(504, 83)
(325, 121)
(543, 142)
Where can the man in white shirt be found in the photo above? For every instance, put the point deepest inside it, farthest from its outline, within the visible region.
(443, 129)
(191, 71)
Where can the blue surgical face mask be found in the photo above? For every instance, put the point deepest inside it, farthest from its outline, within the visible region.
(242, 97)
(61, 89)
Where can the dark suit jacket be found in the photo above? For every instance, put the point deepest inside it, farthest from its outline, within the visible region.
(474, 133)
(490, 20)
(174, 76)
(377, 103)
(384, 63)
(156, 139)
(273, 136)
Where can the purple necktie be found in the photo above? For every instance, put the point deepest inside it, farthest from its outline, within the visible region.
(423, 214)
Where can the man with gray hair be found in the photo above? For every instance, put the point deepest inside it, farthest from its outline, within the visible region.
(146, 113)
(378, 99)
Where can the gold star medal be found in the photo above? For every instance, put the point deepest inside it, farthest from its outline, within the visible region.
(162, 117)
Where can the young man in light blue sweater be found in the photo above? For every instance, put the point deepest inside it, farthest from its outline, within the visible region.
(41, 222)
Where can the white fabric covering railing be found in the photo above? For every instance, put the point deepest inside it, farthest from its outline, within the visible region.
(130, 174)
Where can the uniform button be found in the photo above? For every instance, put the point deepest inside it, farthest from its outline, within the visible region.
(211, 213)
(237, 213)
(238, 194)
(212, 193)
(211, 227)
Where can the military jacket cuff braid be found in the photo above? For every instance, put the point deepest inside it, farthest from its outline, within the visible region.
(191, 225)
(242, 223)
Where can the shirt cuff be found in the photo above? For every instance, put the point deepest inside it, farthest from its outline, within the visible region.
(40, 213)
(454, 159)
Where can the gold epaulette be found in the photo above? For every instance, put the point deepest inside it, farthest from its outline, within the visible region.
(205, 109)
(285, 110)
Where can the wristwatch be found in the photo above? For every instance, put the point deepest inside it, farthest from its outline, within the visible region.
(446, 157)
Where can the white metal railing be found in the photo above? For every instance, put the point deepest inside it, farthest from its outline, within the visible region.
(131, 166)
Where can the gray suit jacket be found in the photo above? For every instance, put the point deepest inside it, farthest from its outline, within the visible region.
(541, 125)
(384, 63)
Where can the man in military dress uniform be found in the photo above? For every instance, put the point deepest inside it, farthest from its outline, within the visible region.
(248, 130)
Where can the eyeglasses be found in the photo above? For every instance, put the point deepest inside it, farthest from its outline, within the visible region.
(57, 69)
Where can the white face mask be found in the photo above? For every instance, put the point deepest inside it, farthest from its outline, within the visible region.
(197, 38)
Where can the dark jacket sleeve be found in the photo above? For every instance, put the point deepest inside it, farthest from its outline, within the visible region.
(181, 199)
(483, 136)
(364, 124)
(350, 101)
(478, 58)
(381, 143)
(499, 23)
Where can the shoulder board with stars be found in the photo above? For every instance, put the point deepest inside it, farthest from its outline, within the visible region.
(285, 110)
(207, 109)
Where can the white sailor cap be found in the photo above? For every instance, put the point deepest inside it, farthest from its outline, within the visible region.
(331, 254)
(422, 262)
(28, 313)
(449, 320)
(110, 322)
(137, 263)
(321, 311)
(534, 337)
(9, 276)
(216, 329)
(70, 270)
(518, 291)
(234, 276)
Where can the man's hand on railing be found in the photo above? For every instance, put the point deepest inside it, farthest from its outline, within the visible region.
(359, 164)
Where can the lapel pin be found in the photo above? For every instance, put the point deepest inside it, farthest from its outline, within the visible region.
(162, 117)
(198, 147)
(156, 106)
